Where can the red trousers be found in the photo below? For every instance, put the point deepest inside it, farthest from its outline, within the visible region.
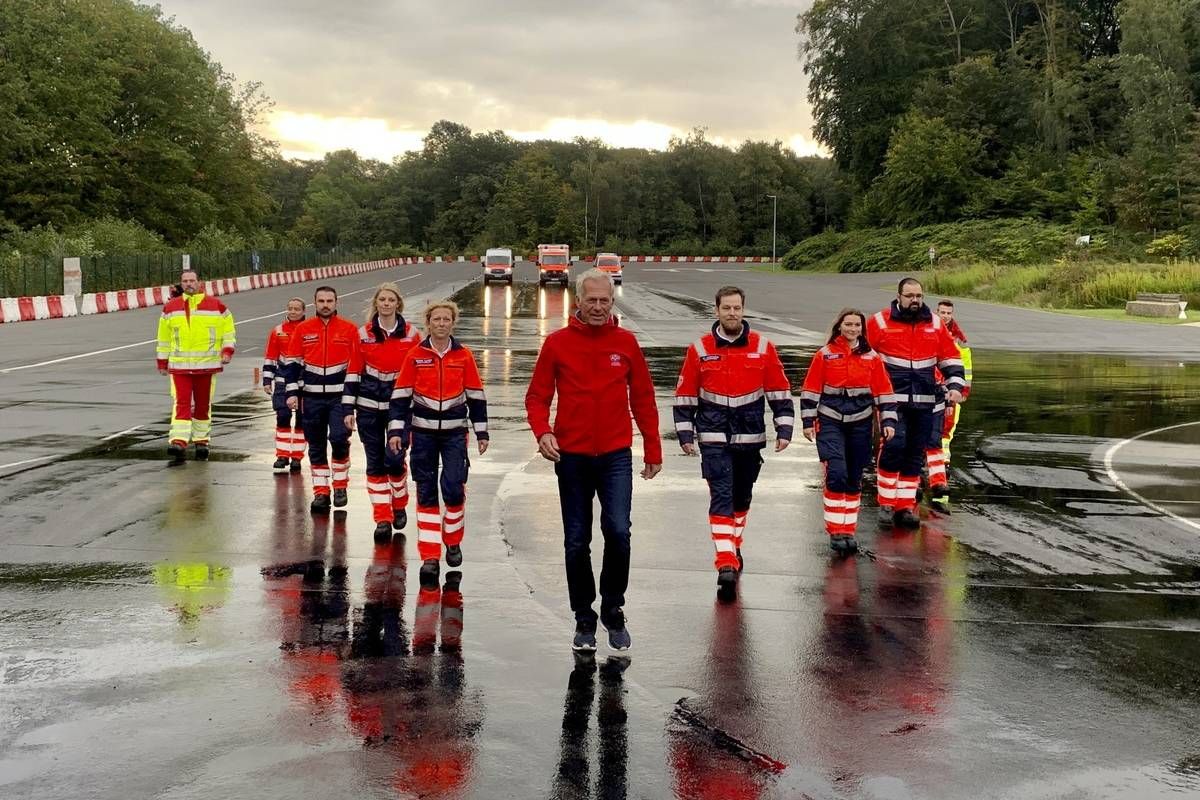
(191, 418)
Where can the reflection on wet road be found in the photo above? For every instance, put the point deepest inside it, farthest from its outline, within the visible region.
(195, 632)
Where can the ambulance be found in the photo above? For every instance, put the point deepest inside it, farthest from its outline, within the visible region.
(610, 263)
(554, 263)
(498, 265)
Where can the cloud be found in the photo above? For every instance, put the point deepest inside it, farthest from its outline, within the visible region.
(634, 70)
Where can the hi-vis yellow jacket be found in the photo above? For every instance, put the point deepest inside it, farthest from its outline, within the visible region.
(193, 333)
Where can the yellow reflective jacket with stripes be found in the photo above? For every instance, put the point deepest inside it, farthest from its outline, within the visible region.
(194, 331)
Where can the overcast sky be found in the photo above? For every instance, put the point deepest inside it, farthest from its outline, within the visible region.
(374, 75)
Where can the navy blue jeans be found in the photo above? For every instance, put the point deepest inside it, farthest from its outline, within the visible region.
(580, 479)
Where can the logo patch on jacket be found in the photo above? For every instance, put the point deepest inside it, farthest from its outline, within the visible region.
(311, 337)
(710, 358)
(753, 355)
(614, 360)
(832, 356)
(424, 362)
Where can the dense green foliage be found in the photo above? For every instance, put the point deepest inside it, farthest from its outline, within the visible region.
(1079, 112)
(1067, 284)
(118, 132)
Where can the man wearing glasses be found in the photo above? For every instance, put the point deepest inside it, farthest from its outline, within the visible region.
(914, 345)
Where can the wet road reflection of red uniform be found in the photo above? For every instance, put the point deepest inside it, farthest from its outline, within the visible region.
(712, 757)
(888, 647)
(407, 698)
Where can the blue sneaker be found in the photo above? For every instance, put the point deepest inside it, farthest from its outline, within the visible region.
(618, 635)
(585, 637)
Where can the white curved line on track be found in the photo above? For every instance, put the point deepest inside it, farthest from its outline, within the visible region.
(152, 341)
(1112, 474)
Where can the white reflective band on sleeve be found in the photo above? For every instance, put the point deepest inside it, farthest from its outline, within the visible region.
(921, 398)
(335, 388)
(476, 394)
(808, 413)
(684, 426)
(396, 426)
(748, 438)
(812, 396)
(683, 400)
(709, 436)
(781, 395)
(351, 377)
(371, 405)
(891, 398)
(699, 345)
(762, 344)
(399, 393)
(780, 421)
(950, 362)
(481, 427)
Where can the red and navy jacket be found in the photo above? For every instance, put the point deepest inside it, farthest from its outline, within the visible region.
(600, 376)
(318, 356)
(374, 366)
(724, 387)
(277, 342)
(846, 385)
(438, 393)
(914, 351)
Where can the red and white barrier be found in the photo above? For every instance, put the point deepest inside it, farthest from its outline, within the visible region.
(702, 259)
(22, 309)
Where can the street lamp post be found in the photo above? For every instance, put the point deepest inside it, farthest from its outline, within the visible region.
(774, 217)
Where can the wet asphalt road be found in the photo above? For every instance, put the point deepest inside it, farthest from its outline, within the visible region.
(193, 632)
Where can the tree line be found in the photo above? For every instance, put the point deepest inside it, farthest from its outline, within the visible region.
(1082, 112)
(120, 133)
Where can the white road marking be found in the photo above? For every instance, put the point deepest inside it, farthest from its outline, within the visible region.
(152, 341)
(1112, 474)
(29, 461)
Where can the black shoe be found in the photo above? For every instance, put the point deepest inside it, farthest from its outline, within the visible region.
(585, 637)
(727, 579)
(202, 452)
(339, 498)
(843, 545)
(320, 504)
(280, 465)
(887, 517)
(383, 533)
(399, 519)
(429, 574)
(453, 581)
(741, 562)
(176, 453)
(295, 465)
(613, 621)
(907, 519)
(453, 555)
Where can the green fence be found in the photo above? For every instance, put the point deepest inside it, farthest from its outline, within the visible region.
(29, 276)
(110, 273)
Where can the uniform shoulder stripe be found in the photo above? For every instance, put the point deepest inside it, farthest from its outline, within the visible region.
(879, 320)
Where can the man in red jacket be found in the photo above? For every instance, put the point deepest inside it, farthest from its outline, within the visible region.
(600, 374)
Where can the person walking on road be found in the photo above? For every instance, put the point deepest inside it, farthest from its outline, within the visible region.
(289, 436)
(437, 401)
(729, 375)
(196, 339)
(914, 345)
(314, 367)
(382, 345)
(845, 385)
(937, 451)
(600, 374)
